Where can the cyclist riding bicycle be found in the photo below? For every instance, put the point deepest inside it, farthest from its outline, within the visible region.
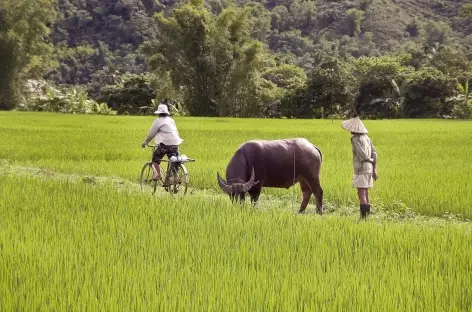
(165, 134)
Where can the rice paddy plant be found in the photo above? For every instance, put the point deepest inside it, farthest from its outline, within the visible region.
(67, 245)
(424, 164)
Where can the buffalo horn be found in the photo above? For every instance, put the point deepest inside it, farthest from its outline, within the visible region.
(226, 188)
(249, 184)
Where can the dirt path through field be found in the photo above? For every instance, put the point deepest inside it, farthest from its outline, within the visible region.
(266, 201)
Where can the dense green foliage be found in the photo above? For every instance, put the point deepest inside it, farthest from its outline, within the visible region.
(71, 101)
(245, 58)
(24, 45)
(132, 95)
(212, 58)
(467, 10)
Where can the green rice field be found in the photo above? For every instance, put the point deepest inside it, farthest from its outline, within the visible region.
(424, 164)
(76, 233)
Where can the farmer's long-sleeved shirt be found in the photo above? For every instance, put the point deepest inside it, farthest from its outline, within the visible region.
(364, 153)
(164, 131)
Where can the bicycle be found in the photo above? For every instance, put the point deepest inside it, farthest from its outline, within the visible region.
(175, 184)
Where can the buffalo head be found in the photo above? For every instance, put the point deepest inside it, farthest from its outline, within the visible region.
(234, 189)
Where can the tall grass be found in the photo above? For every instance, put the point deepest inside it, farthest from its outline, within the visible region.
(423, 163)
(73, 246)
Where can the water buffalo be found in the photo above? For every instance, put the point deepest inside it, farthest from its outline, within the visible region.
(277, 163)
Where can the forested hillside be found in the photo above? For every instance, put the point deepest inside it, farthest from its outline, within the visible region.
(109, 32)
(242, 57)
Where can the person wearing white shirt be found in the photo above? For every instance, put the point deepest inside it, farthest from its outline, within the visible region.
(166, 136)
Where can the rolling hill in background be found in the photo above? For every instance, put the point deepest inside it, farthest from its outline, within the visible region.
(92, 34)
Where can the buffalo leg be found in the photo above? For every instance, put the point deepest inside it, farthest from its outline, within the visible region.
(237, 198)
(254, 196)
(242, 198)
(318, 192)
(306, 192)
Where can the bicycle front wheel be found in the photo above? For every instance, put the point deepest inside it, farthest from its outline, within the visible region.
(179, 181)
(146, 181)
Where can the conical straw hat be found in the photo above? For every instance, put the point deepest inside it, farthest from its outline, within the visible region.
(354, 125)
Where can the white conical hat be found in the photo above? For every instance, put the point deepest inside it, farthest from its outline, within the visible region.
(354, 125)
(162, 109)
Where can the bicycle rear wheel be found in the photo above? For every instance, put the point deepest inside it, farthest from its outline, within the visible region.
(178, 180)
(146, 181)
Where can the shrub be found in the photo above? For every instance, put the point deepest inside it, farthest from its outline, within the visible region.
(427, 92)
(71, 100)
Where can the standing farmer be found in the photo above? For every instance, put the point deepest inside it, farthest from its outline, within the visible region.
(365, 162)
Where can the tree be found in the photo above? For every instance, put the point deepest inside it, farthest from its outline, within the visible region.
(297, 104)
(112, 28)
(24, 45)
(426, 93)
(413, 28)
(451, 60)
(214, 60)
(463, 104)
(328, 92)
(281, 20)
(76, 64)
(290, 42)
(260, 21)
(286, 76)
(132, 95)
(365, 4)
(466, 11)
(378, 81)
(437, 33)
(353, 21)
(184, 50)
(303, 15)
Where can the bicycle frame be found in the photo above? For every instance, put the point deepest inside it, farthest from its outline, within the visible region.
(173, 165)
